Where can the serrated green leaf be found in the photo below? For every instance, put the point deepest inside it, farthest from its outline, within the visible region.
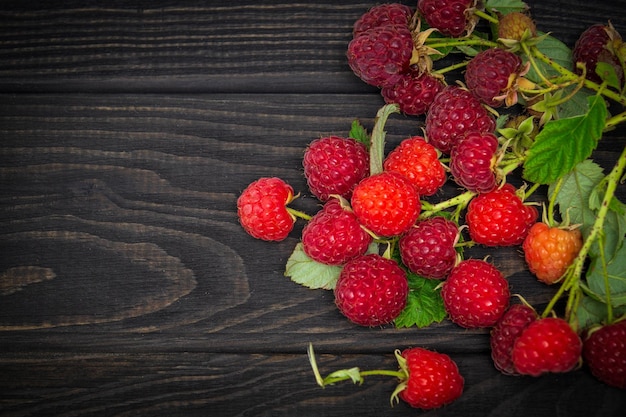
(506, 6)
(577, 105)
(592, 312)
(359, 133)
(309, 273)
(615, 278)
(424, 304)
(574, 194)
(563, 143)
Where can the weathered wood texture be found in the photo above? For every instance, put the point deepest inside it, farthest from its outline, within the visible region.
(127, 286)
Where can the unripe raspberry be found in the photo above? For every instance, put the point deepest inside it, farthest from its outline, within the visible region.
(513, 25)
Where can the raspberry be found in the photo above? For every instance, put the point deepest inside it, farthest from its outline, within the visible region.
(490, 76)
(451, 17)
(428, 248)
(549, 251)
(262, 209)
(387, 203)
(473, 160)
(504, 334)
(417, 160)
(454, 112)
(433, 380)
(604, 351)
(334, 236)
(513, 25)
(334, 165)
(499, 218)
(476, 294)
(414, 92)
(371, 290)
(381, 55)
(546, 345)
(383, 15)
(597, 44)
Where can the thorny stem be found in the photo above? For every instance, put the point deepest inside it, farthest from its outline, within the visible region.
(615, 120)
(442, 43)
(460, 200)
(571, 281)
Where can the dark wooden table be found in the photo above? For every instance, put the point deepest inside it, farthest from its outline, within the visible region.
(127, 286)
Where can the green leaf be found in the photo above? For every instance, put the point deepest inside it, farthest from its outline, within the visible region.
(359, 133)
(607, 73)
(309, 273)
(353, 373)
(615, 278)
(563, 143)
(556, 50)
(592, 312)
(614, 227)
(574, 194)
(424, 304)
(506, 6)
(577, 105)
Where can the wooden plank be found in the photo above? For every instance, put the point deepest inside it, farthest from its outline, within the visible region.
(119, 230)
(197, 384)
(240, 46)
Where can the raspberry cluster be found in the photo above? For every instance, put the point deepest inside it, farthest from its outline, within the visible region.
(384, 240)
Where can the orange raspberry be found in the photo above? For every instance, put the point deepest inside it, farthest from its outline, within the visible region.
(549, 251)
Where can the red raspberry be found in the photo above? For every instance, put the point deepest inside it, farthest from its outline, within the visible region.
(476, 294)
(387, 203)
(433, 380)
(262, 209)
(455, 112)
(414, 92)
(499, 218)
(490, 75)
(334, 165)
(451, 17)
(428, 248)
(473, 160)
(513, 25)
(505, 333)
(383, 15)
(381, 55)
(597, 44)
(549, 251)
(546, 345)
(604, 351)
(417, 160)
(371, 290)
(334, 235)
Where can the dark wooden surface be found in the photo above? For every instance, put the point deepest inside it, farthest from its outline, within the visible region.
(127, 286)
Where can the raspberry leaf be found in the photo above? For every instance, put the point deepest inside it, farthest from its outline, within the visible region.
(359, 133)
(563, 143)
(558, 53)
(613, 277)
(424, 304)
(309, 273)
(506, 6)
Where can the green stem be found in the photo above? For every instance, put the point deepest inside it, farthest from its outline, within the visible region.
(615, 120)
(572, 277)
(451, 68)
(377, 147)
(460, 200)
(444, 43)
(552, 202)
(486, 16)
(298, 213)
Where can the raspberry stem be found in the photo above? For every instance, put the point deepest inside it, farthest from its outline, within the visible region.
(298, 214)
(460, 201)
(377, 144)
(571, 280)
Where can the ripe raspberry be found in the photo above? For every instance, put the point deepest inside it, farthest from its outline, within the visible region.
(417, 160)
(334, 236)
(504, 334)
(414, 92)
(451, 17)
(381, 55)
(476, 294)
(473, 160)
(513, 25)
(428, 248)
(383, 15)
(455, 112)
(597, 44)
(262, 210)
(499, 218)
(604, 351)
(549, 251)
(334, 165)
(547, 345)
(371, 290)
(387, 203)
(490, 76)
(433, 380)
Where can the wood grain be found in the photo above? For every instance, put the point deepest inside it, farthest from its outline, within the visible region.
(127, 286)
